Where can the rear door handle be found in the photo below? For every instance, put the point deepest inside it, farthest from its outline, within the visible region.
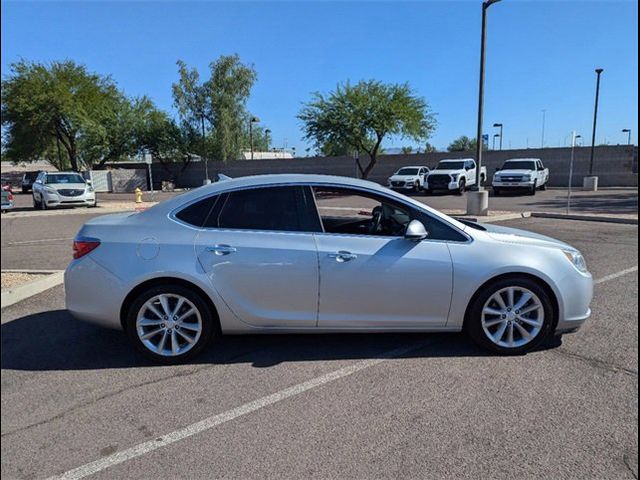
(343, 256)
(222, 249)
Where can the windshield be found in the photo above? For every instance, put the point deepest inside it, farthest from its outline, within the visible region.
(519, 165)
(65, 178)
(450, 166)
(407, 171)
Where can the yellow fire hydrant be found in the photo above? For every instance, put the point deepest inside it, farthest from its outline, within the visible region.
(138, 194)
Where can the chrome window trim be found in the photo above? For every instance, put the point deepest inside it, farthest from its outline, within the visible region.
(172, 214)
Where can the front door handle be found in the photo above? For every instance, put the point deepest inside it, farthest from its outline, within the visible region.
(343, 256)
(222, 249)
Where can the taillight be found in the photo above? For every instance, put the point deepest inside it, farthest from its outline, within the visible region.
(10, 196)
(82, 246)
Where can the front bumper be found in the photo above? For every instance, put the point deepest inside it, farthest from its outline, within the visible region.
(93, 294)
(500, 184)
(401, 185)
(576, 295)
(452, 185)
(87, 199)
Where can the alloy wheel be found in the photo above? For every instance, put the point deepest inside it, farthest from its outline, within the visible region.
(169, 325)
(512, 317)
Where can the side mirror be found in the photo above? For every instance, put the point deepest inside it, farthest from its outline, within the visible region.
(415, 231)
(89, 182)
(498, 169)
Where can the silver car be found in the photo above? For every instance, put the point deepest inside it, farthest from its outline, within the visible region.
(311, 253)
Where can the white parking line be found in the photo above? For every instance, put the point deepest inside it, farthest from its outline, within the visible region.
(616, 275)
(36, 242)
(215, 420)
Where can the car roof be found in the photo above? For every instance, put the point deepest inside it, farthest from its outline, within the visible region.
(456, 159)
(519, 159)
(413, 166)
(222, 186)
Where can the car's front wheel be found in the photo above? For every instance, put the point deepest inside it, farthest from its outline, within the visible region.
(461, 187)
(510, 316)
(170, 323)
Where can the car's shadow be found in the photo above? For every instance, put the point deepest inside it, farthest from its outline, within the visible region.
(55, 341)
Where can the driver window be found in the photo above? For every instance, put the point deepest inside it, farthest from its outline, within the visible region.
(353, 212)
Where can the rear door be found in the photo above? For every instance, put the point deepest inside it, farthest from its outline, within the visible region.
(260, 256)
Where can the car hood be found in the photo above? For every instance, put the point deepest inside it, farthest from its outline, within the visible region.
(522, 237)
(445, 172)
(67, 186)
(403, 177)
(519, 171)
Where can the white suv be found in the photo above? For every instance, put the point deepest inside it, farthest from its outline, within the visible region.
(521, 173)
(408, 178)
(58, 189)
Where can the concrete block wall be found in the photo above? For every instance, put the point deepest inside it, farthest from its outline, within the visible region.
(615, 165)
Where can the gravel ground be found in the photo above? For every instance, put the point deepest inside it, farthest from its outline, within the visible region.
(10, 280)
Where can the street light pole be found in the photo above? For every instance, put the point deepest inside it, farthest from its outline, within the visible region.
(628, 132)
(544, 120)
(204, 148)
(500, 126)
(252, 120)
(496, 135)
(595, 120)
(574, 138)
(478, 202)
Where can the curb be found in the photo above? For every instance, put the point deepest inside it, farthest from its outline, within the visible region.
(586, 218)
(22, 292)
(495, 218)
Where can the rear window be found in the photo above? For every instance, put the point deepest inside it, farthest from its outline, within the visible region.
(196, 214)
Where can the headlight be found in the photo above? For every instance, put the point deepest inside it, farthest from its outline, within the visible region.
(50, 190)
(89, 188)
(526, 178)
(496, 178)
(454, 176)
(576, 259)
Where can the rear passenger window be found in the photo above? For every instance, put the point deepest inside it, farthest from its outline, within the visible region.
(270, 208)
(196, 214)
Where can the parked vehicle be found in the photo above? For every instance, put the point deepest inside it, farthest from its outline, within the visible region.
(454, 175)
(246, 256)
(521, 173)
(27, 180)
(7, 197)
(59, 189)
(408, 178)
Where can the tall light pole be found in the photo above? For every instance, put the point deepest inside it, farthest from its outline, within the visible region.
(544, 121)
(574, 138)
(485, 5)
(496, 135)
(500, 126)
(628, 132)
(595, 121)
(252, 120)
(267, 132)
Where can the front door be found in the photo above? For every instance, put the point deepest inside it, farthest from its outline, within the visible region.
(371, 276)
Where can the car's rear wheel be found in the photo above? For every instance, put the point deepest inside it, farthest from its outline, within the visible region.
(510, 316)
(543, 187)
(170, 323)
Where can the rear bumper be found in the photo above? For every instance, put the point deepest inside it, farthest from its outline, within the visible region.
(93, 294)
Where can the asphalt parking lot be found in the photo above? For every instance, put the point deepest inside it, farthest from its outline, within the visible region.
(78, 399)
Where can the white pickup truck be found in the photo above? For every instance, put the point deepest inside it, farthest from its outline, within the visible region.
(454, 175)
(521, 173)
(408, 178)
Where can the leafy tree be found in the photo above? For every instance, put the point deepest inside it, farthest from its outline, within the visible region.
(52, 108)
(429, 148)
(218, 104)
(406, 150)
(363, 115)
(463, 144)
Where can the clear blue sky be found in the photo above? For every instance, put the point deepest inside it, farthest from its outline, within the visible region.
(541, 55)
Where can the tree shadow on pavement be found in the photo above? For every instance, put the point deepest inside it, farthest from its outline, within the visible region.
(55, 341)
(612, 203)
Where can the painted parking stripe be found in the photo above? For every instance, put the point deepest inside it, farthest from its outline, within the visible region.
(215, 420)
(36, 242)
(619, 274)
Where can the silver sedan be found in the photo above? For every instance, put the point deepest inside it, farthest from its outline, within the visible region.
(309, 254)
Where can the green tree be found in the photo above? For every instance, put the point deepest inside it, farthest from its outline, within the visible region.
(429, 148)
(49, 108)
(406, 150)
(363, 115)
(463, 144)
(217, 105)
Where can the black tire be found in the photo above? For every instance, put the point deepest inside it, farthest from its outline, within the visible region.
(496, 191)
(533, 189)
(210, 325)
(95, 204)
(43, 204)
(543, 187)
(25, 190)
(36, 205)
(416, 186)
(473, 320)
(461, 187)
